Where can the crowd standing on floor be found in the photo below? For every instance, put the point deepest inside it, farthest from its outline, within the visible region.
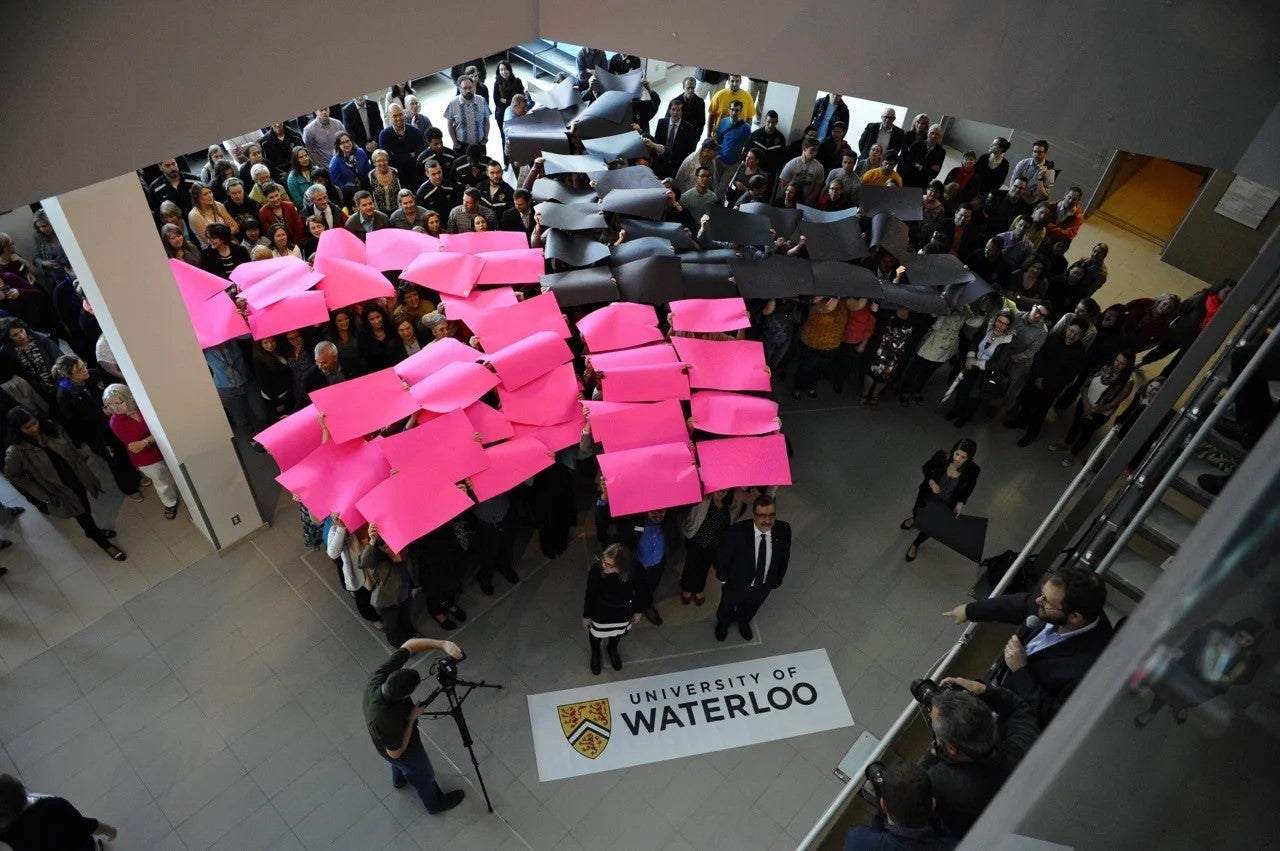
(1037, 347)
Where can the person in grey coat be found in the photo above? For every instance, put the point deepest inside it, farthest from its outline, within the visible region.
(44, 466)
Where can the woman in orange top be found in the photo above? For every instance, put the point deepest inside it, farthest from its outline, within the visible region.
(820, 337)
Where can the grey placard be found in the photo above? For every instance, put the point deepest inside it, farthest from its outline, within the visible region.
(773, 277)
(577, 216)
(738, 228)
(582, 286)
(574, 250)
(844, 280)
(645, 203)
(936, 270)
(651, 280)
(785, 221)
(905, 203)
(838, 240)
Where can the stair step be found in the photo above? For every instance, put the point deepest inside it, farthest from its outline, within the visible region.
(1133, 574)
(1187, 484)
(1166, 528)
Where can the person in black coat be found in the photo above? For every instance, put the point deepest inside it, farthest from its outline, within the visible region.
(841, 113)
(949, 477)
(80, 411)
(1043, 665)
(986, 371)
(871, 133)
(351, 119)
(1057, 364)
(609, 605)
(676, 137)
(752, 561)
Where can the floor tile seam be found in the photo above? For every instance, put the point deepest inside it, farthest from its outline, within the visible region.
(266, 802)
(65, 608)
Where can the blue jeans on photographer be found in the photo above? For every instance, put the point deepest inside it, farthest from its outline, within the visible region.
(414, 768)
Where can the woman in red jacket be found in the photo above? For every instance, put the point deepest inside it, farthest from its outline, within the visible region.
(128, 425)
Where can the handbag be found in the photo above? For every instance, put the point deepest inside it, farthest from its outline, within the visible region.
(994, 384)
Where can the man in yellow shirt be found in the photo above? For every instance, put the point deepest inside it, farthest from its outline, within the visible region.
(886, 174)
(719, 106)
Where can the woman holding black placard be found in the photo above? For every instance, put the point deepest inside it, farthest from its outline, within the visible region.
(949, 477)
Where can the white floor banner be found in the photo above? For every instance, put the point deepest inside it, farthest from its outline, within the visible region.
(616, 725)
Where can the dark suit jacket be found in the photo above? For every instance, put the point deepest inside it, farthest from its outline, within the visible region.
(380, 220)
(695, 112)
(736, 561)
(920, 165)
(686, 140)
(314, 379)
(936, 467)
(820, 108)
(512, 221)
(351, 121)
(872, 132)
(1051, 675)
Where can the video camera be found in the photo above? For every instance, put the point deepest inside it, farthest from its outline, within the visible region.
(925, 690)
(445, 670)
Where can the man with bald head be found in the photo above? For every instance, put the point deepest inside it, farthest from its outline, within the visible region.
(327, 371)
(882, 132)
(403, 143)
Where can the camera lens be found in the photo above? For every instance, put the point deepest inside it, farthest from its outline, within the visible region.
(923, 690)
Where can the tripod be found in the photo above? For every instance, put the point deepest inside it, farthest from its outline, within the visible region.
(450, 691)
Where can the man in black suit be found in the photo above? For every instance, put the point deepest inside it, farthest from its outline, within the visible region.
(520, 216)
(363, 121)
(1043, 665)
(882, 131)
(752, 562)
(327, 370)
(694, 108)
(674, 140)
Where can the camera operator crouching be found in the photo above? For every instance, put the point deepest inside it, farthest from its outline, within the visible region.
(906, 818)
(980, 733)
(392, 719)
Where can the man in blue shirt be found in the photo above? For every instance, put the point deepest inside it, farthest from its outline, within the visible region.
(906, 817)
(237, 390)
(733, 134)
(650, 537)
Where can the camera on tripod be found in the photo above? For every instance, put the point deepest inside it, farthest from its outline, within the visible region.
(445, 670)
(925, 690)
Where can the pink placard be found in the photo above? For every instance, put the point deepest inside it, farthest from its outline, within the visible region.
(743, 461)
(705, 315)
(479, 242)
(526, 359)
(216, 321)
(297, 311)
(454, 385)
(649, 478)
(635, 424)
(409, 505)
(724, 364)
(555, 437)
(516, 266)
(648, 383)
(395, 248)
(280, 286)
(491, 424)
(349, 283)
(291, 439)
(477, 301)
(247, 274)
(334, 476)
(547, 400)
(195, 285)
(733, 413)
(444, 272)
(619, 326)
(433, 357)
(446, 445)
(510, 463)
(502, 327)
(358, 406)
(641, 356)
(339, 244)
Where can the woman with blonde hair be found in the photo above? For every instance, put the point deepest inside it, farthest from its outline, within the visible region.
(205, 210)
(129, 426)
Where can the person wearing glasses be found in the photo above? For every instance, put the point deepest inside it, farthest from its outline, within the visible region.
(752, 562)
(1043, 664)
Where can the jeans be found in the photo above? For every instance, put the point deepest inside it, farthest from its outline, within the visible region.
(414, 767)
(245, 406)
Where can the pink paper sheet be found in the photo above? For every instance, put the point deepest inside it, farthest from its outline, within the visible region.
(280, 286)
(733, 413)
(743, 461)
(340, 244)
(409, 505)
(636, 424)
(554, 437)
(433, 357)
(358, 406)
(195, 285)
(505, 325)
(444, 272)
(705, 315)
(216, 321)
(724, 365)
(619, 326)
(296, 311)
(454, 385)
(547, 400)
(530, 357)
(291, 439)
(491, 424)
(348, 283)
(649, 478)
(477, 301)
(515, 266)
(640, 356)
(446, 445)
(247, 274)
(393, 248)
(510, 463)
(648, 383)
(334, 476)
(479, 242)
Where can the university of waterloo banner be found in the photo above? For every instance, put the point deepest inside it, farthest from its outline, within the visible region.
(616, 725)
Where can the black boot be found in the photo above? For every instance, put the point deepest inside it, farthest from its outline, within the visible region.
(595, 658)
(614, 659)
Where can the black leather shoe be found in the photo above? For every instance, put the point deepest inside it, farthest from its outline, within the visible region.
(450, 800)
(1024, 441)
(652, 615)
(486, 588)
(722, 631)
(744, 629)
(510, 576)
(458, 614)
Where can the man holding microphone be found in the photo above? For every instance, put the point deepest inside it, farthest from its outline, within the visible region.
(392, 719)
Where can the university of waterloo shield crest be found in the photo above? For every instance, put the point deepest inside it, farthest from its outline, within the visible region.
(586, 726)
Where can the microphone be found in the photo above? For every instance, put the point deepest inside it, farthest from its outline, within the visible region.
(1033, 623)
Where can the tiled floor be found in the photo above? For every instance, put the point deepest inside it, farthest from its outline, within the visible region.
(198, 700)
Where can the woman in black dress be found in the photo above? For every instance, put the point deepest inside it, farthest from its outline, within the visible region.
(704, 528)
(274, 376)
(948, 477)
(608, 610)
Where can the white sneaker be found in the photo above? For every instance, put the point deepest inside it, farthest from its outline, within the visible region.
(136, 496)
